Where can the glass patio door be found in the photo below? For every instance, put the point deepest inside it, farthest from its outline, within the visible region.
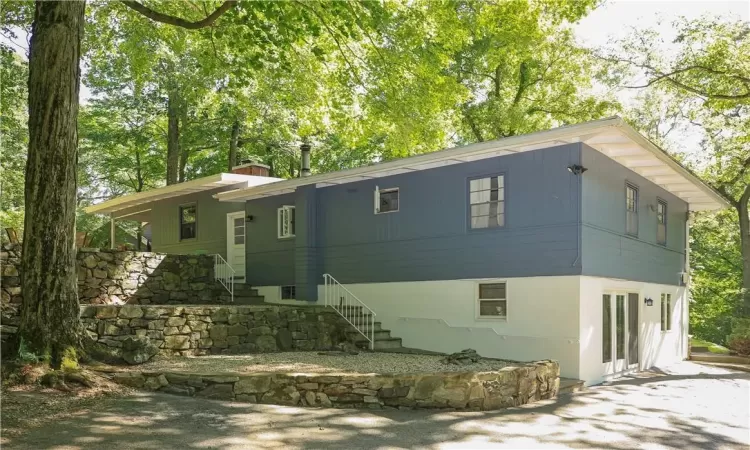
(619, 331)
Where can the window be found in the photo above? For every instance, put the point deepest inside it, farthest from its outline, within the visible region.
(288, 292)
(286, 222)
(620, 325)
(239, 230)
(187, 222)
(631, 206)
(661, 222)
(607, 328)
(492, 300)
(386, 200)
(666, 312)
(487, 202)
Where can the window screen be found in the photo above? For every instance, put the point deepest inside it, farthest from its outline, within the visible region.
(487, 202)
(492, 300)
(631, 207)
(387, 201)
(661, 222)
(187, 222)
(286, 221)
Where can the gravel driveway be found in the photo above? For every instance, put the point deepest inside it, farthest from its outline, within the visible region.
(684, 407)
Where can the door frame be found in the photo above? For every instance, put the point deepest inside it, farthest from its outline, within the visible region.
(620, 366)
(230, 240)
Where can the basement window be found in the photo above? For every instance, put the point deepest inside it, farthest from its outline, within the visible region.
(187, 222)
(288, 292)
(492, 300)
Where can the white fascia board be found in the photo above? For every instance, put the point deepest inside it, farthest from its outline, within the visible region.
(175, 190)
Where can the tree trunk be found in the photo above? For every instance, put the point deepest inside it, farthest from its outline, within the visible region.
(173, 137)
(233, 144)
(49, 311)
(742, 210)
(184, 154)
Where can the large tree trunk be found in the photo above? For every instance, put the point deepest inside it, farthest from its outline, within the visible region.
(49, 311)
(173, 137)
(742, 210)
(233, 144)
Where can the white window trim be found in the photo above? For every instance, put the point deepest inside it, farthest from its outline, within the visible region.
(378, 191)
(477, 310)
(279, 217)
(503, 201)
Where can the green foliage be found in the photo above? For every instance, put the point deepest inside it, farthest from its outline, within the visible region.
(13, 138)
(739, 340)
(716, 277)
(69, 360)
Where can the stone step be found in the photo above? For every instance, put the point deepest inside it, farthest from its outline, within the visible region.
(379, 334)
(378, 327)
(249, 300)
(380, 344)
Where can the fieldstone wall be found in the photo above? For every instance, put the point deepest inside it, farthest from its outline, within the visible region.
(196, 330)
(510, 386)
(119, 277)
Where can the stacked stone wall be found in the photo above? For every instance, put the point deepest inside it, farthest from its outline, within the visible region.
(119, 277)
(510, 386)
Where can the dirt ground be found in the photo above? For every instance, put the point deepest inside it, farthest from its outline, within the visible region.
(685, 406)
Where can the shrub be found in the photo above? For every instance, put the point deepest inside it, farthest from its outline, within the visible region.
(739, 340)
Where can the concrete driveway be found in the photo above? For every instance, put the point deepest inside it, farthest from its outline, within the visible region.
(684, 406)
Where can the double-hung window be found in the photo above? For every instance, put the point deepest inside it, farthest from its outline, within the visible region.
(487, 202)
(666, 312)
(631, 208)
(285, 219)
(493, 301)
(187, 222)
(661, 222)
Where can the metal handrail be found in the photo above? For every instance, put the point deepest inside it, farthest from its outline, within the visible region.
(224, 274)
(351, 308)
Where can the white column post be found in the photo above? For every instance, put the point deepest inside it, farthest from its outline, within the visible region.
(111, 231)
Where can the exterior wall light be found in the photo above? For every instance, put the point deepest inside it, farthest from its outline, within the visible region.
(649, 302)
(576, 169)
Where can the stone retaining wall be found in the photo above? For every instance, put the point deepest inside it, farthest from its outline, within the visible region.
(119, 277)
(202, 330)
(510, 386)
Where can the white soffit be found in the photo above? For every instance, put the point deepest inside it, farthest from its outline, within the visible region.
(613, 137)
(175, 190)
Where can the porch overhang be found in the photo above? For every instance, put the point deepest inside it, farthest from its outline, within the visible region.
(613, 137)
(139, 203)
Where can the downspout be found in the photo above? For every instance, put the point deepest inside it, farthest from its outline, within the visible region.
(111, 231)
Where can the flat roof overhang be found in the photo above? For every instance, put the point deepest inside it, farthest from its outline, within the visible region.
(142, 199)
(613, 137)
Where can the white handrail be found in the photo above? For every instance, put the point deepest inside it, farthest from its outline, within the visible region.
(224, 274)
(344, 302)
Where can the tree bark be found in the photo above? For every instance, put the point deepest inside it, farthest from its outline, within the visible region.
(233, 144)
(173, 137)
(49, 311)
(742, 210)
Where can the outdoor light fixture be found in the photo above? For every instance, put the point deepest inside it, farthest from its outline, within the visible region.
(576, 169)
(649, 302)
(249, 218)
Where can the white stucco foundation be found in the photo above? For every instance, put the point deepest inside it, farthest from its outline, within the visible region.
(556, 318)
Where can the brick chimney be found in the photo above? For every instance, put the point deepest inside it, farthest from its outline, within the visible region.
(248, 167)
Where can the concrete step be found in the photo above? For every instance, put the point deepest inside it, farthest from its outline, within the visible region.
(379, 334)
(570, 385)
(248, 300)
(380, 344)
(243, 289)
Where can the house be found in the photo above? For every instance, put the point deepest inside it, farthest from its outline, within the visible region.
(569, 244)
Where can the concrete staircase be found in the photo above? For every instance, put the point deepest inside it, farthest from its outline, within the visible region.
(383, 339)
(244, 294)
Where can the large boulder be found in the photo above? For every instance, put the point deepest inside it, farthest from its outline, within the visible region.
(138, 349)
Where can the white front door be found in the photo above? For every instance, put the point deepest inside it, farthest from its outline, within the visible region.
(236, 244)
(620, 324)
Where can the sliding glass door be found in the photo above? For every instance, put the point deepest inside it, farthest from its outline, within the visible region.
(619, 331)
